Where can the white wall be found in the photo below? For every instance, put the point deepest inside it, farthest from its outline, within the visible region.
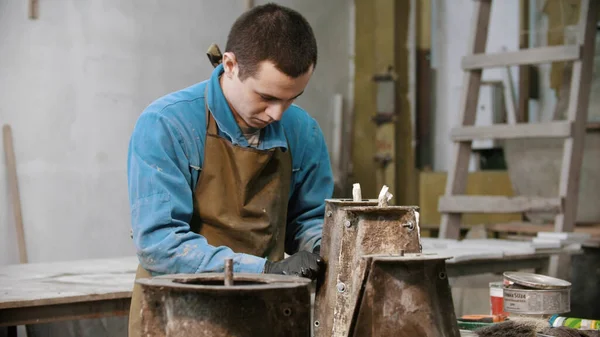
(72, 84)
(451, 38)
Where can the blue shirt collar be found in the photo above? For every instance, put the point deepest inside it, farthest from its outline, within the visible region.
(273, 134)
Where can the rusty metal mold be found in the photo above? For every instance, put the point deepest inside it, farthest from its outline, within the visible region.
(184, 305)
(352, 230)
(405, 296)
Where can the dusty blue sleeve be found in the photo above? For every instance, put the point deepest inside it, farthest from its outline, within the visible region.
(313, 183)
(160, 195)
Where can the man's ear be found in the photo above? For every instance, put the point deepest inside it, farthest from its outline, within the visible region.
(230, 65)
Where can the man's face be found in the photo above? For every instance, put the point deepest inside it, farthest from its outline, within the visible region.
(261, 99)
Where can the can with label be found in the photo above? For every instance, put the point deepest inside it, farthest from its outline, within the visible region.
(534, 294)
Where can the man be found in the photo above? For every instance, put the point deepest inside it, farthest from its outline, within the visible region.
(229, 168)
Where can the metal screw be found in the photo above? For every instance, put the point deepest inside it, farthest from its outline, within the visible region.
(409, 225)
(347, 223)
(341, 287)
(442, 275)
(287, 312)
(329, 214)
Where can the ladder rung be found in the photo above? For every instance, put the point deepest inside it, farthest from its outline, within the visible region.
(497, 204)
(521, 57)
(561, 129)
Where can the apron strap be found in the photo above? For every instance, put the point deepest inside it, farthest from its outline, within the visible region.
(214, 55)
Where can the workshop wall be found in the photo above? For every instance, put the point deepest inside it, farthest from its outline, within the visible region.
(72, 84)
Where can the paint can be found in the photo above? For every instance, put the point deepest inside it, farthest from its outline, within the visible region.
(535, 294)
(497, 299)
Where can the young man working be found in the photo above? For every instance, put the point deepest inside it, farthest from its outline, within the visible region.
(229, 168)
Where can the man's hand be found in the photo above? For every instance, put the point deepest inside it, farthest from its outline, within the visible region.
(303, 263)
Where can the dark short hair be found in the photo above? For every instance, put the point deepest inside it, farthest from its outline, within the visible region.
(273, 33)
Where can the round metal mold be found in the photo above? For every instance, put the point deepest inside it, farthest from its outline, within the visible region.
(185, 305)
(535, 281)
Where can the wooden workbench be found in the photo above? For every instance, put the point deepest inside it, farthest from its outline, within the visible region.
(47, 292)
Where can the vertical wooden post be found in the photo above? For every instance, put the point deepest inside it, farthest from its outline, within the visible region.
(577, 112)
(363, 136)
(11, 169)
(461, 151)
(384, 59)
(382, 28)
(524, 70)
(405, 189)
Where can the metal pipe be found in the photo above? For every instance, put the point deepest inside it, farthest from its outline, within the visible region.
(228, 272)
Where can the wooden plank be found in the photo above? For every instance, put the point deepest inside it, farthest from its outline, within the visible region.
(506, 131)
(522, 57)
(577, 112)
(11, 169)
(62, 312)
(56, 283)
(461, 152)
(498, 204)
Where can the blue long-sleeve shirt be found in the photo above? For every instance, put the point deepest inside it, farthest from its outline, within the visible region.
(165, 159)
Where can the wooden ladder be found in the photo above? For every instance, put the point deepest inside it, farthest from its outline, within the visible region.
(454, 203)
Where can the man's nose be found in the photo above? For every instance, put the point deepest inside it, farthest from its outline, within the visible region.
(275, 111)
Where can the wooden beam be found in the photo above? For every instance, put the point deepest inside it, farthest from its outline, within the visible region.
(382, 28)
(522, 57)
(461, 152)
(516, 131)
(406, 179)
(498, 204)
(524, 71)
(424, 75)
(383, 56)
(363, 134)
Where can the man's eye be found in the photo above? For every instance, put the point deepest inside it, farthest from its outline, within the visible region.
(268, 99)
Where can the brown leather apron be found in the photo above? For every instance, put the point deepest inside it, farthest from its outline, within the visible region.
(240, 201)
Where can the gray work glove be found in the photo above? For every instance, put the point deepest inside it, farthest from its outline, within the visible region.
(303, 264)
